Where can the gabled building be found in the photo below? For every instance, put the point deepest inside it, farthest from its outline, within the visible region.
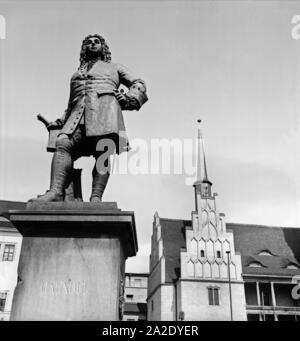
(195, 271)
(205, 269)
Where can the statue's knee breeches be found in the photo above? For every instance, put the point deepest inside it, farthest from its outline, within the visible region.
(69, 143)
(64, 143)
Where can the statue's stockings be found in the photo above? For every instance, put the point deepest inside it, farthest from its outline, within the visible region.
(100, 178)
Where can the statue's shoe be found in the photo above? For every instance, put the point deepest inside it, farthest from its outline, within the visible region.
(49, 196)
(95, 199)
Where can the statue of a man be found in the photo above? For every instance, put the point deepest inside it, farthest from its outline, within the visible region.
(93, 114)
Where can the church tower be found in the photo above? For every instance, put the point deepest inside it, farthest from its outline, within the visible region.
(202, 185)
(210, 285)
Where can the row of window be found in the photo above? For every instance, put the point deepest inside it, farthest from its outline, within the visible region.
(8, 252)
(202, 254)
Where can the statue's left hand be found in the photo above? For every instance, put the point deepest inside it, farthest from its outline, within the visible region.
(126, 102)
(120, 96)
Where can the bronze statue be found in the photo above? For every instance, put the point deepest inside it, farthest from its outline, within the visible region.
(93, 114)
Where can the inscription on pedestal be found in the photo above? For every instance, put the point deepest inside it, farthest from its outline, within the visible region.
(60, 287)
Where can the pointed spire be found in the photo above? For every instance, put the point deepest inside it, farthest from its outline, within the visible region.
(205, 177)
(201, 169)
(202, 175)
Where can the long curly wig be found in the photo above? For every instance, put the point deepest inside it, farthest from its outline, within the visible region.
(106, 55)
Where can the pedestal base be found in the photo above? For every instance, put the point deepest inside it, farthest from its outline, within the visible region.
(72, 261)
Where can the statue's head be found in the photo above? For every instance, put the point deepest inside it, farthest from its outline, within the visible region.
(94, 46)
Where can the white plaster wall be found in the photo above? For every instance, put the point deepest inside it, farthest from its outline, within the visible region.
(155, 314)
(194, 301)
(168, 303)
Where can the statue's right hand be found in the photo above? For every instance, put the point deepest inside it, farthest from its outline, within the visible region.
(54, 125)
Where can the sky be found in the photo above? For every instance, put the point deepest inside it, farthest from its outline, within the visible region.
(233, 64)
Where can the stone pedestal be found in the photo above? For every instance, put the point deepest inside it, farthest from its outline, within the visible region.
(72, 261)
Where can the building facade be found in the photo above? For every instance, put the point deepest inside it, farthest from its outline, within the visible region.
(10, 247)
(270, 274)
(204, 269)
(135, 295)
(271, 271)
(195, 272)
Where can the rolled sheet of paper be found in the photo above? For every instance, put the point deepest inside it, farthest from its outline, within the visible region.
(53, 133)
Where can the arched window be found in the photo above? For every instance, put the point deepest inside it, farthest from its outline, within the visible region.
(202, 253)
